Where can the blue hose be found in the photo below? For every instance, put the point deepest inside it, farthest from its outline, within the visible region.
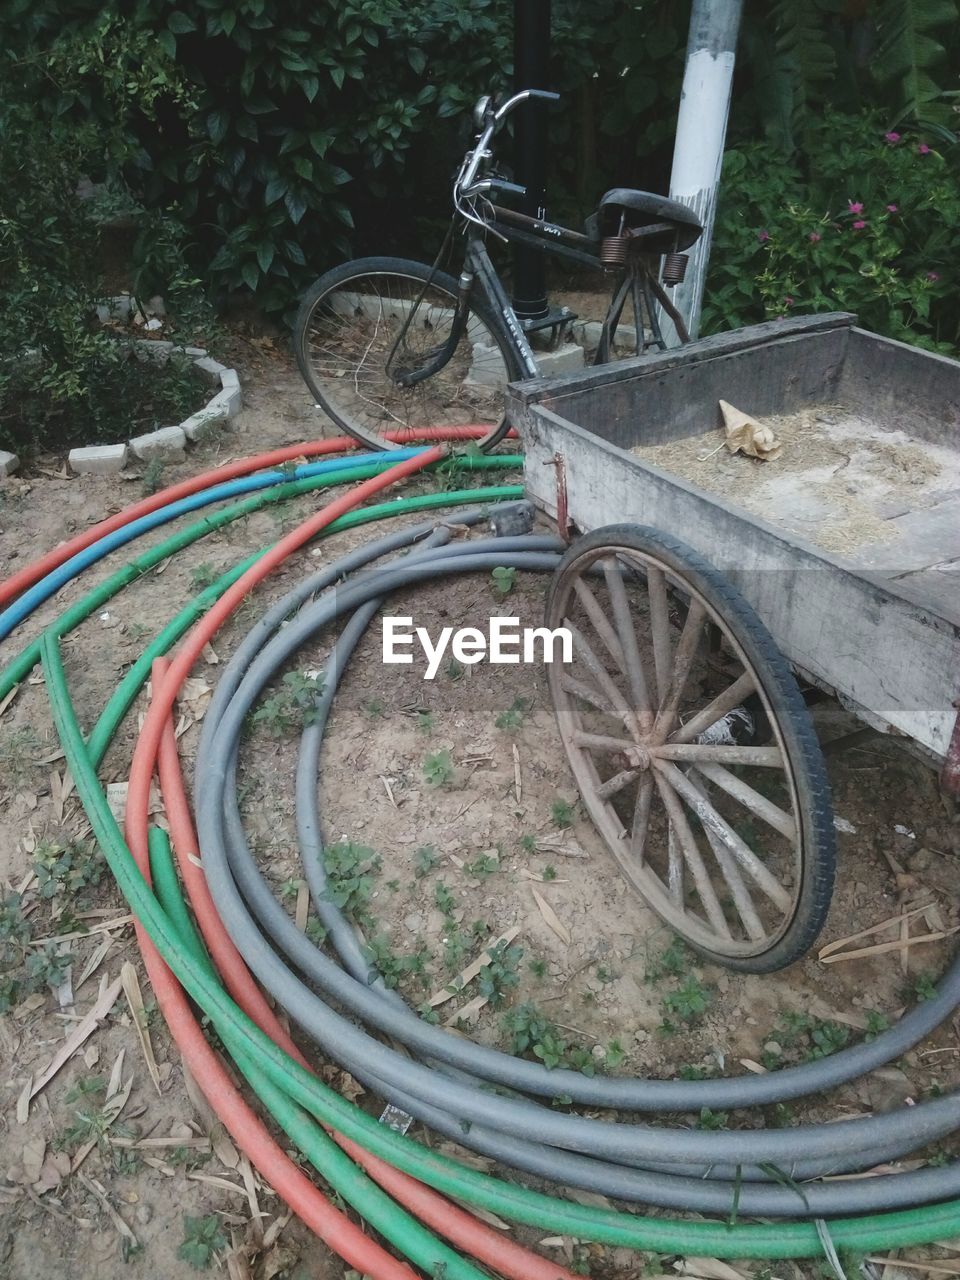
(12, 616)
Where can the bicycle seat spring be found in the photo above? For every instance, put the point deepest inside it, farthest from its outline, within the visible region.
(674, 268)
(613, 250)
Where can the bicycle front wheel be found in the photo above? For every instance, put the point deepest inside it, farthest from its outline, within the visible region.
(363, 323)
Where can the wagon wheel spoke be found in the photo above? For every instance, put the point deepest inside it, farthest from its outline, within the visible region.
(675, 877)
(739, 892)
(683, 660)
(715, 710)
(759, 805)
(698, 752)
(599, 673)
(676, 780)
(641, 817)
(659, 630)
(587, 693)
(632, 663)
(680, 825)
(594, 611)
(615, 784)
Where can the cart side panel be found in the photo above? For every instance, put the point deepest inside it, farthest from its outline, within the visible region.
(772, 368)
(895, 662)
(903, 386)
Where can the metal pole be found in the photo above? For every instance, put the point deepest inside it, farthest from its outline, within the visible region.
(701, 132)
(531, 46)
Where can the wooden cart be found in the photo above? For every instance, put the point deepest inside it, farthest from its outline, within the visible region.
(872, 618)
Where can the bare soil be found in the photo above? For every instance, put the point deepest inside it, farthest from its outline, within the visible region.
(493, 842)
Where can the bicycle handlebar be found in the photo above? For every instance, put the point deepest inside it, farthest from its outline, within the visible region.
(491, 118)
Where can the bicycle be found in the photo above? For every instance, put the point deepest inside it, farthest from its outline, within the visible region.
(387, 344)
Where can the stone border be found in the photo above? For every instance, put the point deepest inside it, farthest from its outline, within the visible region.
(108, 459)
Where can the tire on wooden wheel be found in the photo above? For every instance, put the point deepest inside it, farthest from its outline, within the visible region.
(692, 748)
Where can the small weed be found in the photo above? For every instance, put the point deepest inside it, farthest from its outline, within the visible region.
(351, 869)
(549, 872)
(695, 1071)
(455, 670)
(674, 963)
(501, 975)
(374, 708)
(877, 1023)
(292, 706)
(504, 580)
(614, 1054)
(63, 870)
(438, 768)
(19, 749)
(202, 1240)
(689, 1002)
(424, 860)
(538, 967)
(606, 975)
(561, 814)
(315, 931)
(455, 948)
(528, 843)
(152, 478)
(443, 898)
(515, 715)
(137, 631)
(712, 1119)
(925, 988)
(483, 866)
(425, 722)
(203, 575)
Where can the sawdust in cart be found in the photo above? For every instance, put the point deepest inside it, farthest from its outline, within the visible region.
(838, 482)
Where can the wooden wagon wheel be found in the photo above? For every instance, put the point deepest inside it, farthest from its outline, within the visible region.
(692, 748)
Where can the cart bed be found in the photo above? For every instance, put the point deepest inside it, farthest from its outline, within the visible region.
(848, 545)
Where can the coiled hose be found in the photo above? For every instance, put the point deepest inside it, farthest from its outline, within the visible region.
(283, 1081)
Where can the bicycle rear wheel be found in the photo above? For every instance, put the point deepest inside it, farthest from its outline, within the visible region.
(362, 322)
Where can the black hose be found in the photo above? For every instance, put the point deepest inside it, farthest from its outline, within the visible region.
(517, 1130)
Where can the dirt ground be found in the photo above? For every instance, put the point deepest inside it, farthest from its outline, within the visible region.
(491, 842)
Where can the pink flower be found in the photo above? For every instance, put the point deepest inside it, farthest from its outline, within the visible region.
(933, 276)
(923, 149)
(815, 236)
(788, 301)
(891, 137)
(763, 236)
(859, 224)
(892, 208)
(855, 206)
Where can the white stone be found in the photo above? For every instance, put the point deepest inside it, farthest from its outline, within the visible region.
(9, 462)
(230, 380)
(117, 308)
(98, 459)
(160, 444)
(198, 424)
(193, 351)
(212, 368)
(226, 403)
(566, 359)
(160, 350)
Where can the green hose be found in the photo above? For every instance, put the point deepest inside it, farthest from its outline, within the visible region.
(137, 676)
(25, 661)
(287, 1080)
(398, 1226)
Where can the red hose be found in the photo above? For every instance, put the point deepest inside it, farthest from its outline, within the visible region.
(459, 1227)
(165, 689)
(31, 573)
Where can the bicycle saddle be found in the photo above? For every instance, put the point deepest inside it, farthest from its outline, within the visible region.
(642, 209)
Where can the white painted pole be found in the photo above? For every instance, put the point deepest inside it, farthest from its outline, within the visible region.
(701, 132)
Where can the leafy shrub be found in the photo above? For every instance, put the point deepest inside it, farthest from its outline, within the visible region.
(866, 225)
(63, 378)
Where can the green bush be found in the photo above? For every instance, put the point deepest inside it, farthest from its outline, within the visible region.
(866, 224)
(64, 379)
(288, 136)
